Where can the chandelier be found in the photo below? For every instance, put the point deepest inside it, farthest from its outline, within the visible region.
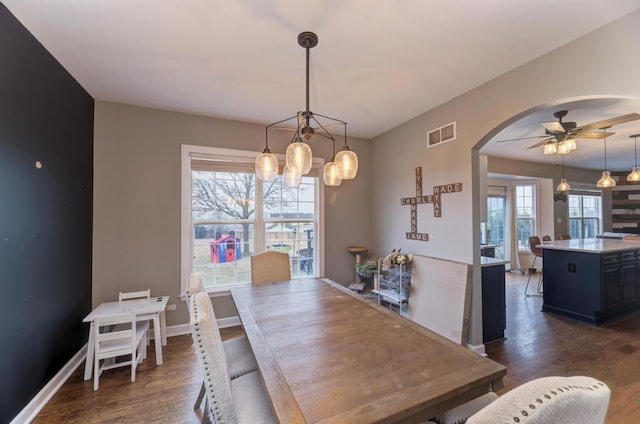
(342, 166)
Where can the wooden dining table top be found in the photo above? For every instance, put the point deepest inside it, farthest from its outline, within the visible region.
(327, 355)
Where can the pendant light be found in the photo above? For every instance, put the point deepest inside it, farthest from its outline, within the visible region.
(346, 161)
(564, 185)
(330, 172)
(605, 180)
(635, 172)
(267, 164)
(299, 156)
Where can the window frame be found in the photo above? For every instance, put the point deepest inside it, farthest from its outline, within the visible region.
(582, 218)
(232, 156)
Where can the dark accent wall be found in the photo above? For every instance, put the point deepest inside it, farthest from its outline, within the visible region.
(45, 215)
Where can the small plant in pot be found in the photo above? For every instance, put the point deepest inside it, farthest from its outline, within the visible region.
(367, 269)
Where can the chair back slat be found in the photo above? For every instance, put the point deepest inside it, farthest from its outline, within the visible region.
(135, 295)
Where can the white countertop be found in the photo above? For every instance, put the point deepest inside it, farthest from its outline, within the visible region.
(487, 261)
(591, 245)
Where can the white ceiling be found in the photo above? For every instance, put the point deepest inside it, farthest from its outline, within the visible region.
(590, 152)
(377, 64)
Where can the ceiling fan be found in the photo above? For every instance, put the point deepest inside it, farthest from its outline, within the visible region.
(559, 131)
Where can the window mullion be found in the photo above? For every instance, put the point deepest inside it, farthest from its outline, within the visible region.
(259, 234)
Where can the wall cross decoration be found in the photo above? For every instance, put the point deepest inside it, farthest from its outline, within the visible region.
(435, 198)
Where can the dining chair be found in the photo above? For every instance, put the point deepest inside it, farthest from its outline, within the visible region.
(546, 238)
(534, 241)
(549, 400)
(563, 236)
(134, 295)
(145, 294)
(240, 358)
(128, 339)
(240, 400)
(270, 266)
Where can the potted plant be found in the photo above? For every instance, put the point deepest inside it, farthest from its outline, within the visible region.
(367, 269)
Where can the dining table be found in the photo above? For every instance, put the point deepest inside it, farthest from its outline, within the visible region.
(328, 355)
(145, 309)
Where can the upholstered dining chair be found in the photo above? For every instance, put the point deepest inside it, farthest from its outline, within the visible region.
(127, 339)
(240, 358)
(546, 238)
(534, 241)
(270, 266)
(240, 400)
(549, 400)
(563, 236)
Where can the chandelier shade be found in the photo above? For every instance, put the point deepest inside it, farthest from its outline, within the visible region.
(330, 174)
(267, 166)
(550, 148)
(291, 178)
(299, 156)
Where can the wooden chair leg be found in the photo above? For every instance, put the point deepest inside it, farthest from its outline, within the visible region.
(200, 397)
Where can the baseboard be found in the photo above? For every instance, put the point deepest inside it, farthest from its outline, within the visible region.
(38, 402)
(479, 349)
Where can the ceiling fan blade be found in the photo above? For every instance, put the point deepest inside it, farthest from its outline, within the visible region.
(284, 128)
(522, 138)
(597, 135)
(554, 127)
(609, 122)
(541, 143)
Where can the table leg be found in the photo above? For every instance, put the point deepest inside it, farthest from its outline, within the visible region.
(157, 337)
(163, 328)
(88, 364)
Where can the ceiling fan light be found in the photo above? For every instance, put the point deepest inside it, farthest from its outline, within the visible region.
(563, 148)
(564, 185)
(606, 180)
(330, 175)
(266, 166)
(291, 178)
(571, 143)
(346, 163)
(634, 175)
(299, 157)
(550, 148)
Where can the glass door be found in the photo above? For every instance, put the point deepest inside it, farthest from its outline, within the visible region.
(496, 218)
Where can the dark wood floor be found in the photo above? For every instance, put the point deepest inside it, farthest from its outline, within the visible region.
(537, 345)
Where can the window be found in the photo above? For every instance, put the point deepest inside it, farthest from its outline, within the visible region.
(525, 214)
(229, 214)
(585, 215)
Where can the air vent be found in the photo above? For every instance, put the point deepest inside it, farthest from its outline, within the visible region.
(441, 135)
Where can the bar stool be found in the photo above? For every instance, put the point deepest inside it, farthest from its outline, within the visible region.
(537, 252)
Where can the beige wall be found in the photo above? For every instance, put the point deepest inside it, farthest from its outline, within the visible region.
(136, 238)
(603, 63)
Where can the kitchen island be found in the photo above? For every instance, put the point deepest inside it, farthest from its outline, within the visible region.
(592, 280)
